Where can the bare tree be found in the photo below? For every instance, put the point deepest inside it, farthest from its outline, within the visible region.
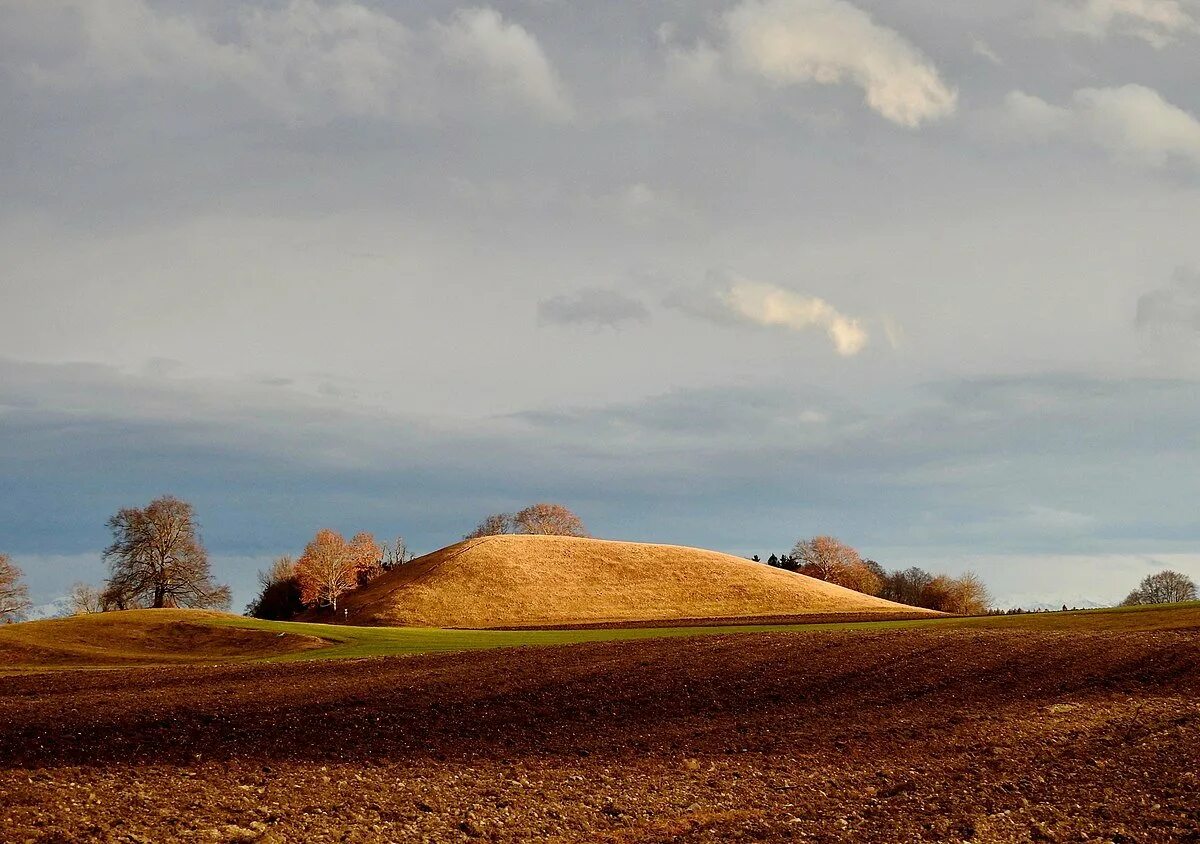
(966, 595)
(830, 559)
(876, 570)
(494, 525)
(1165, 587)
(936, 595)
(14, 594)
(85, 599)
(281, 570)
(116, 596)
(279, 592)
(396, 554)
(970, 595)
(548, 520)
(157, 560)
(904, 586)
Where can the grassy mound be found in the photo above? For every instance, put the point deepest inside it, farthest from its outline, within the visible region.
(548, 581)
(141, 637)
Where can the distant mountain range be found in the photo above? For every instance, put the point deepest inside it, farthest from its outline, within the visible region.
(1071, 603)
(54, 609)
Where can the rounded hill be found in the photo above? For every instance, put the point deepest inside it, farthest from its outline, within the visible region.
(547, 581)
(140, 637)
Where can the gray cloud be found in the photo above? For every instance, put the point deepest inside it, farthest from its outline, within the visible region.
(1157, 22)
(597, 307)
(305, 60)
(333, 223)
(1172, 311)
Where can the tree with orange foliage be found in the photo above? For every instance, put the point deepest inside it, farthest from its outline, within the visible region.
(829, 559)
(330, 567)
(367, 557)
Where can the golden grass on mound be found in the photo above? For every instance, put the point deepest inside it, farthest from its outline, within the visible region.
(511, 581)
(139, 637)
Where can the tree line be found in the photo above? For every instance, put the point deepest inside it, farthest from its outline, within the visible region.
(156, 559)
(828, 558)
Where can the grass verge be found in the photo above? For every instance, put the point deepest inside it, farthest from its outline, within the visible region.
(348, 642)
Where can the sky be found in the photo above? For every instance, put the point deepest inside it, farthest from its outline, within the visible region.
(922, 276)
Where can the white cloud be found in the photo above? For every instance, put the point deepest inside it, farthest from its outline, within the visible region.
(509, 60)
(767, 305)
(1134, 124)
(824, 42)
(754, 303)
(1157, 22)
(305, 60)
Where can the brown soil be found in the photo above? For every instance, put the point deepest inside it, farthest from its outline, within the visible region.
(890, 736)
(557, 581)
(139, 637)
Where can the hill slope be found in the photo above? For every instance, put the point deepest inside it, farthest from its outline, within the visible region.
(531, 581)
(139, 637)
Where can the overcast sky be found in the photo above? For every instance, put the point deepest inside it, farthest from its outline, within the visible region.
(925, 276)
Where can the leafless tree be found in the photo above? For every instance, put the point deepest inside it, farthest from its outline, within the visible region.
(85, 599)
(494, 525)
(14, 594)
(396, 554)
(966, 595)
(971, 595)
(282, 569)
(157, 560)
(116, 596)
(904, 586)
(279, 592)
(830, 559)
(1165, 587)
(548, 520)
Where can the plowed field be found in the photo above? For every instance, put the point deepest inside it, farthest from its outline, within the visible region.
(900, 735)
